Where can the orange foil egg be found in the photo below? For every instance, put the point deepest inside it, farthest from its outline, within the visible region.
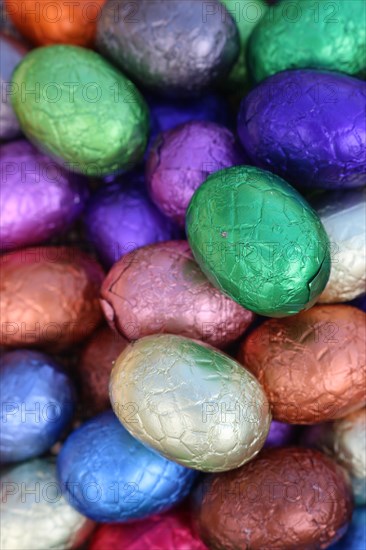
(58, 22)
(161, 289)
(48, 297)
(313, 365)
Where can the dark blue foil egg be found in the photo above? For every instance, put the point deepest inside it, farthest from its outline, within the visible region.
(109, 476)
(37, 404)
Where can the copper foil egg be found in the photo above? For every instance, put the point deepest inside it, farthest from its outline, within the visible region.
(49, 297)
(161, 289)
(313, 365)
(96, 362)
(345, 440)
(285, 499)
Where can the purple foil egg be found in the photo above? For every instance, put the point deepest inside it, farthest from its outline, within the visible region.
(280, 434)
(360, 302)
(120, 217)
(183, 158)
(38, 199)
(12, 52)
(308, 127)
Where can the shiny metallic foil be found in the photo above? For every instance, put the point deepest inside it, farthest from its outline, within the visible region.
(312, 366)
(49, 297)
(34, 514)
(193, 404)
(285, 499)
(160, 288)
(257, 239)
(95, 365)
(345, 440)
(343, 215)
(45, 23)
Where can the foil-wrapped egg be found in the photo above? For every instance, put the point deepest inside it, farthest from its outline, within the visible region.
(37, 404)
(343, 215)
(182, 158)
(39, 199)
(93, 120)
(171, 531)
(34, 514)
(194, 405)
(161, 289)
(322, 30)
(57, 22)
(108, 476)
(171, 47)
(284, 499)
(49, 297)
(345, 440)
(96, 361)
(355, 537)
(12, 52)
(308, 127)
(258, 240)
(121, 217)
(312, 366)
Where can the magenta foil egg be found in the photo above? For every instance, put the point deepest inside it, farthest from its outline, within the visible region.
(38, 199)
(183, 158)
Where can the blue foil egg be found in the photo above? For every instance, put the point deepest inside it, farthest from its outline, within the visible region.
(355, 537)
(37, 404)
(109, 476)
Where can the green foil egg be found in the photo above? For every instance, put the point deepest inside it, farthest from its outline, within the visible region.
(80, 110)
(258, 240)
(246, 14)
(314, 35)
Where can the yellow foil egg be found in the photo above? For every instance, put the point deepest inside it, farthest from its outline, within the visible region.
(191, 403)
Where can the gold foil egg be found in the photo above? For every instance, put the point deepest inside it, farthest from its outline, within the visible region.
(191, 403)
(312, 366)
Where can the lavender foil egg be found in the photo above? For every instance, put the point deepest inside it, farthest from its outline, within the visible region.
(38, 199)
(120, 217)
(183, 158)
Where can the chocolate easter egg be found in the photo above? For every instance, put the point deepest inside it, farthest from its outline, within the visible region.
(182, 158)
(109, 476)
(307, 127)
(160, 288)
(49, 297)
(312, 366)
(345, 441)
(194, 404)
(93, 120)
(258, 241)
(284, 499)
(321, 29)
(39, 199)
(174, 48)
(35, 515)
(95, 365)
(343, 215)
(58, 22)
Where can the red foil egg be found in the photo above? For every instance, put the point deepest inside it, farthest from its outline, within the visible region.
(49, 297)
(165, 532)
(57, 22)
(96, 362)
(285, 499)
(313, 365)
(161, 289)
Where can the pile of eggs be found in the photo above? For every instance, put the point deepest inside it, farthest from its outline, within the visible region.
(183, 259)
